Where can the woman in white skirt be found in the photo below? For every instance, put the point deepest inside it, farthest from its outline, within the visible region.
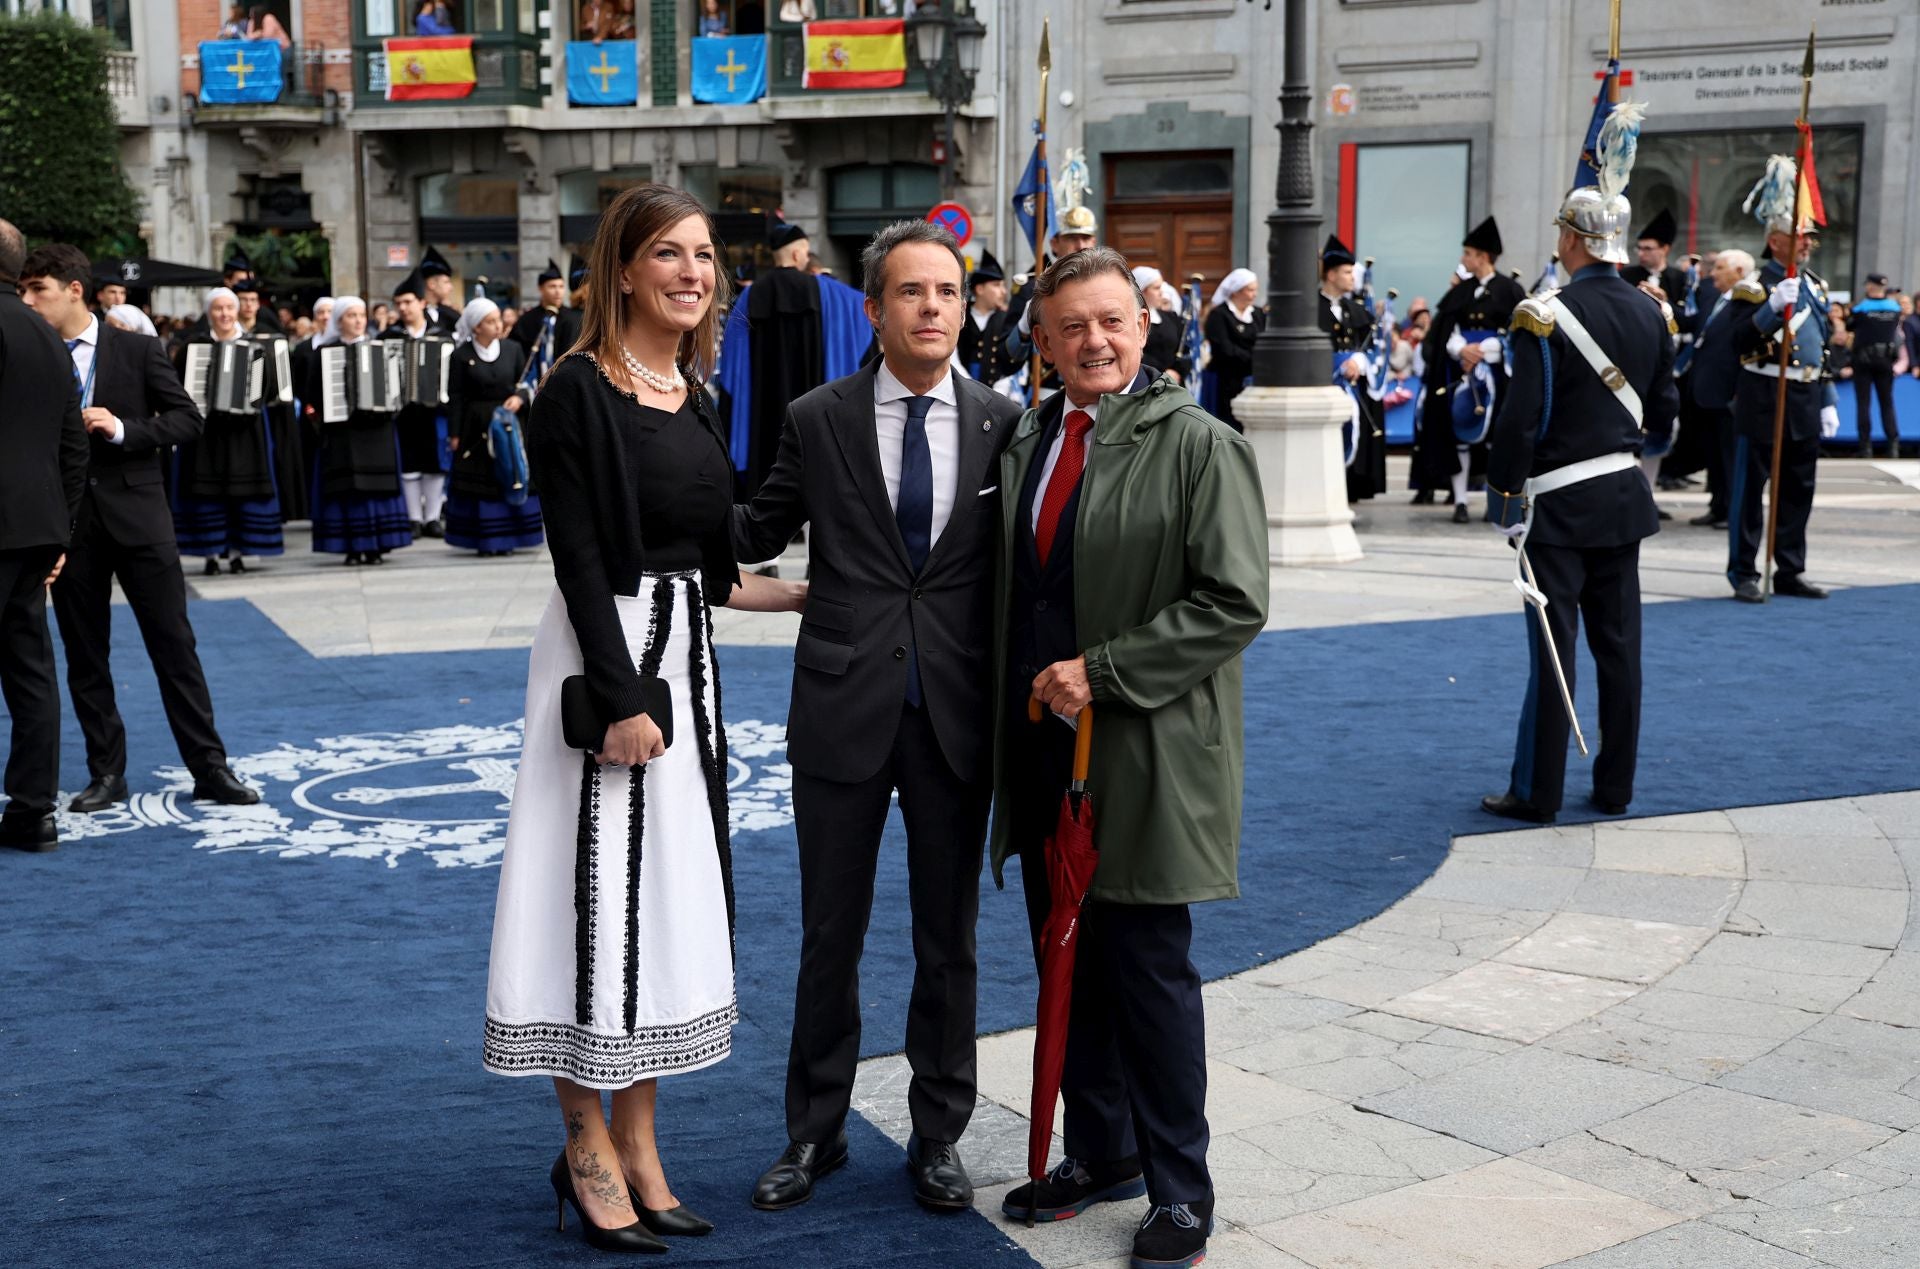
(613, 936)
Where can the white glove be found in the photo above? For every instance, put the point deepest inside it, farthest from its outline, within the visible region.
(1490, 350)
(1455, 343)
(1358, 363)
(1785, 292)
(1511, 531)
(1829, 422)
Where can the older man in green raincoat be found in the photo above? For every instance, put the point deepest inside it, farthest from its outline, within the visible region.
(1132, 573)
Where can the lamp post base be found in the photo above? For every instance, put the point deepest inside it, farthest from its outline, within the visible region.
(1296, 440)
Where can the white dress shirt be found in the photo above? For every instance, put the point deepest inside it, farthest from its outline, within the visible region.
(82, 355)
(890, 398)
(1053, 454)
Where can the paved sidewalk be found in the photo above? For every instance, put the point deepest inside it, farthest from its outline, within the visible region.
(1691, 1041)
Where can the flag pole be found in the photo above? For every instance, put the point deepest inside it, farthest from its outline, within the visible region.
(1040, 204)
(1786, 322)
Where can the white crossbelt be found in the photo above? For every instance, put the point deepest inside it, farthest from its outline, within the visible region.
(1596, 357)
(1547, 482)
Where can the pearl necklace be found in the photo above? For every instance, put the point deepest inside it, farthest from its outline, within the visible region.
(663, 384)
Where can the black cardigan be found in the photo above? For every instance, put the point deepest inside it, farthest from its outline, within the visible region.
(578, 451)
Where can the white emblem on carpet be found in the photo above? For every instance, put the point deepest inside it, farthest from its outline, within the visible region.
(442, 792)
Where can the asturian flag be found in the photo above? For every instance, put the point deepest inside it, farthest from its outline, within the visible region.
(239, 72)
(866, 53)
(1034, 186)
(729, 70)
(606, 74)
(429, 68)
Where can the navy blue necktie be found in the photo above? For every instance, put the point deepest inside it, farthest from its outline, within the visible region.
(913, 512)
(71, 345)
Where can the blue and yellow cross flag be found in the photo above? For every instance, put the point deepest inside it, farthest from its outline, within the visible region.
(729, 70)
(239, 72)
(606, 74)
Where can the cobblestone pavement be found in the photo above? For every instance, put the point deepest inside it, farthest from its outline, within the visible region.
(1689, 1041)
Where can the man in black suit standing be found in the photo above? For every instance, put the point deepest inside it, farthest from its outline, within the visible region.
(439, 303)
(892, 466)
(133, 408)
(41, 482)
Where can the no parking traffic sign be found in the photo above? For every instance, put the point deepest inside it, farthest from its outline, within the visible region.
(957, 220)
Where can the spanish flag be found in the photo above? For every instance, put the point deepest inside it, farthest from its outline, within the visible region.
(865, 54)
(1809, 209)
(429, 68)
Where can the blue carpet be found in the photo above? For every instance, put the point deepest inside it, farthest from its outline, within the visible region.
(253, 1037)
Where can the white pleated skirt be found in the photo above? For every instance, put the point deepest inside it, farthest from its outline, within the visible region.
(612, 942)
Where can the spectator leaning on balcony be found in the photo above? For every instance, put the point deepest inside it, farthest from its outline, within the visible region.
(235, 27)
(712, 20)
(262, 25)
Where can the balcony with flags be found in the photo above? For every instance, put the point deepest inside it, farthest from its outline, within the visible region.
(251, 83)
(493, 54)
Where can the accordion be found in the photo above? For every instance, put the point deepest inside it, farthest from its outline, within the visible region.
(363, 376)
(428, 361)
(276, 356)
(225, 378)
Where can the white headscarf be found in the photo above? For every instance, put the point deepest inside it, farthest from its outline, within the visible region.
(206, 306)
(477, 310)
(1234, 282)
(341, 303)
(1144, 276)
(131, 317)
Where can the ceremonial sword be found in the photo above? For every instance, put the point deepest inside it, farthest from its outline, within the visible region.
(1531, 592)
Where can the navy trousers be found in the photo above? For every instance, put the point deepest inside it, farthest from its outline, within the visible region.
(1747, 525)
(1601, 584)
(1135, 1080)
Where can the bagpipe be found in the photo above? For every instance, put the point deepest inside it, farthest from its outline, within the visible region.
(1379, 358)
(1193, 339)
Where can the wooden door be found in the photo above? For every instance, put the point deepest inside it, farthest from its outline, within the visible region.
(1179, 239)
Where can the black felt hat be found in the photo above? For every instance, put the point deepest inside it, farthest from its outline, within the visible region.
(1485, 237)
(237, 262)
(248, 285)
(785, 235)
(551, 273)
(411, 285)
(576, 270)
(432, 262)
(988, 270)
(1660, 229)
(1335, 253)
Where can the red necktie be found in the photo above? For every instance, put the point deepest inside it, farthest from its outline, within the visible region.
(1064, 479)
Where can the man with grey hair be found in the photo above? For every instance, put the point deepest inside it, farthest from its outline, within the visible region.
(892, 466)
(41, 482)
(1132, 572)
(1709, 371)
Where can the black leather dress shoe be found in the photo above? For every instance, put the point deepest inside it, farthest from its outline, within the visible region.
(1798, 587)
(1510, 807)
(1605, 807)
(1460, 513)
(790, 1181)
(219, 784)
(1748, 592)
(1708, 520)
(101, 792)
(31, 831)
(940, 1181)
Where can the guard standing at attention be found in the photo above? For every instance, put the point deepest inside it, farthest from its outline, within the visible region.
(1813, 410)
(1592, 384)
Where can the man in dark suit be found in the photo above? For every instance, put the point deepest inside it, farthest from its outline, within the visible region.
(134, 408)
(41, 480)
(440, 305)
(892, 467)
(1563, 481)
(1709, 372)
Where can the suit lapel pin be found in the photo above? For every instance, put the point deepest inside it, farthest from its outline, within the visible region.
(987, 426)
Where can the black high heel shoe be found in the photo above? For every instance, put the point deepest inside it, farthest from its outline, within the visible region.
(626, 1238)
(674, 1222)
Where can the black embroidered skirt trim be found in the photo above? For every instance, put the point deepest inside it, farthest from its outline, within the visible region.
(609, 1061)
(585, 889)
(712, 733)
(659, 630)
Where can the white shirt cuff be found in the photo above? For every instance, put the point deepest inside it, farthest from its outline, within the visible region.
(1456, 343)
(1490, 350)
(119, 436)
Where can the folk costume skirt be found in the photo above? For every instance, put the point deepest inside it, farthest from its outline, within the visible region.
(612, 935)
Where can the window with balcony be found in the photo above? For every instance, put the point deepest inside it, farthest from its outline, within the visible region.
(506, 46)
(584, 195)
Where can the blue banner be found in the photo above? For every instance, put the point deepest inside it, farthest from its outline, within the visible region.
(1032, 187)
(239, 72)
(605, 74)
(729, 70)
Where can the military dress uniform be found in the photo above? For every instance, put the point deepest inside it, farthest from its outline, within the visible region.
(1756, 335)
(1458, 406)
(1564, 460)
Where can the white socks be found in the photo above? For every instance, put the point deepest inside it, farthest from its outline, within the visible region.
(1460, 482)
(425, 494)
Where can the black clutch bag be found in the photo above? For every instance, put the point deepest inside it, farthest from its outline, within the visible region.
(584, 725)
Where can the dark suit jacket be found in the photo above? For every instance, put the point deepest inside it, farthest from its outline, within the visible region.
(1587, 421)
(1715, 371)
(43, 444)
(138, 383)
(865, 605)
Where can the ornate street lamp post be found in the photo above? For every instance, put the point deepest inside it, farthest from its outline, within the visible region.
(1292, 352)
(946, 43)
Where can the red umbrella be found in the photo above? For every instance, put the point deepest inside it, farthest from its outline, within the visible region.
(1071, 859)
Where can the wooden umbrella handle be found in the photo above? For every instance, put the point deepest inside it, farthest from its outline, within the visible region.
(1082, 746)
